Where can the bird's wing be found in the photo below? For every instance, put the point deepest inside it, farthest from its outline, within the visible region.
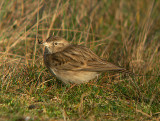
(69, 59)
(101, 67)
(79, 58)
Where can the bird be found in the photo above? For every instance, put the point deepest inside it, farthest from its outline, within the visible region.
(73, 64)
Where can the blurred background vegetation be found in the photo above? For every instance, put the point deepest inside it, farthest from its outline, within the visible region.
(126, 33)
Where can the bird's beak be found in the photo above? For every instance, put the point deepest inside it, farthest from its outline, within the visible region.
(46, 44)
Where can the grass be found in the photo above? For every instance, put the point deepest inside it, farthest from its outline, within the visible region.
(123, 32)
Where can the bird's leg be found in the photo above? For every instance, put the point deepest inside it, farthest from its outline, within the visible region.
(97, 78)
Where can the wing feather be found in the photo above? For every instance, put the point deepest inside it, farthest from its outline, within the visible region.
(79, 58)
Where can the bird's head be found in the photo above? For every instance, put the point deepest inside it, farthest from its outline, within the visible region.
(55, 44)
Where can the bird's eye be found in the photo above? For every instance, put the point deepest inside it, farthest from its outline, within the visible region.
(55, 43)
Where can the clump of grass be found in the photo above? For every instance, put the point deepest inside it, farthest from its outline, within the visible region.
(125, 33)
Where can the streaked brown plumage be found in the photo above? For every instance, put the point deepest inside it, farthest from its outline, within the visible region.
(73, 63)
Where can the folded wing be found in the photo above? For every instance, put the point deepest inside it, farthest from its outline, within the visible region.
(79, 58)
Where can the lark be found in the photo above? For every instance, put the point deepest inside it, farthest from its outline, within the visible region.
(73, 63)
